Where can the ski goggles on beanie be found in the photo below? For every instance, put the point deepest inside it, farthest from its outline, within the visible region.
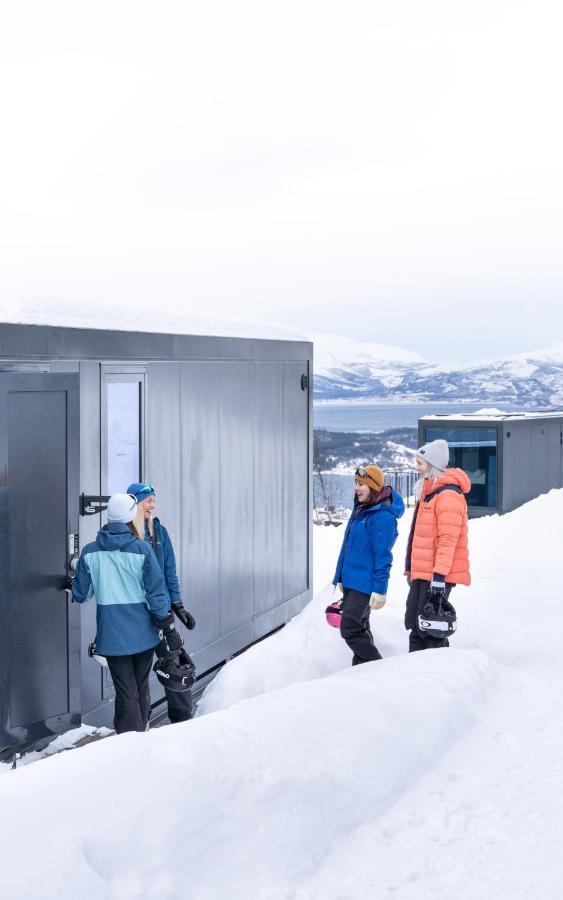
(372, 476)
(333, 613)
(141, 491)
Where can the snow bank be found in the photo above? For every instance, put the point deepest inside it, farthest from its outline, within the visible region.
(253, 796)
(67, 741)
(164, 318)
(507, 571)
(434, 774)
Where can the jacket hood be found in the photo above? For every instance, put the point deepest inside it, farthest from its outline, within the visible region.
(115, 536)
(454, 476)
(393, 504)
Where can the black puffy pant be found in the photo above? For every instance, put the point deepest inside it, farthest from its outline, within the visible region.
(415, 603)
(180, 703)
(355, 629)
(130, 676)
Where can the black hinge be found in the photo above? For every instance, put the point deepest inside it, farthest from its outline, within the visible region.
(91, 504)
(304, 382)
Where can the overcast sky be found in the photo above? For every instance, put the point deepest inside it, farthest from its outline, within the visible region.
(387, 171)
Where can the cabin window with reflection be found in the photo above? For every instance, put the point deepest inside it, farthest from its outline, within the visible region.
(474, 450)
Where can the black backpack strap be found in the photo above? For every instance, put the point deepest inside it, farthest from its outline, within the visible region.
(445, 487)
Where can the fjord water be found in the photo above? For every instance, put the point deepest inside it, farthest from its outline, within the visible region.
(376, 417)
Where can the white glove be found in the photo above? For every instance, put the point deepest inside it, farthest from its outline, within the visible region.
(377, 601)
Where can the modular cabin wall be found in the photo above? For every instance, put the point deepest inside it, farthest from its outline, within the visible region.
(227, 442)
(532, 460)
(228, 450)
(227, 446)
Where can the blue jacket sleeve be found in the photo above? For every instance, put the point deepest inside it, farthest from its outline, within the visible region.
(384, 533)
(170, 576)
(153, 584)
(82, 582)
(338, 574)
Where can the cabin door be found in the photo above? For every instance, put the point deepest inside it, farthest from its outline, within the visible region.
(39, 631)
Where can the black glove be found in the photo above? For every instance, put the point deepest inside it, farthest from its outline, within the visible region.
(185, 617)
(438, 586)
(170, 635)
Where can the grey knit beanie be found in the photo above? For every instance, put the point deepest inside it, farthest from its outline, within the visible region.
(436, 453)
(121, 508)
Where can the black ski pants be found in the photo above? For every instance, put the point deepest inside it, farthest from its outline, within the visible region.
(130, 676)
(415, 603)
(180, 704)
(355, 629)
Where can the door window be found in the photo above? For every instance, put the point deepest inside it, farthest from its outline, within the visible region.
(124, 429)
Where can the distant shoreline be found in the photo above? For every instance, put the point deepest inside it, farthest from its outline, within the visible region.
(357, 401)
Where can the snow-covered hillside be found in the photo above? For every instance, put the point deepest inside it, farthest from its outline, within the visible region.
(434, 774)
(349, 370)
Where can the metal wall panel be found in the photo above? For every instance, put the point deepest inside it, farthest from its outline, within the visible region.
(267, 486)
(538, 468)
(200, 501)
(92, 675)
(162, 465)
(245, 500)
(522, 433)
(505, 467)
(553, 455)
(234, 472)
(295, 469)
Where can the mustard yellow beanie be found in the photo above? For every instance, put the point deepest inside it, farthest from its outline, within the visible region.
(373, 476)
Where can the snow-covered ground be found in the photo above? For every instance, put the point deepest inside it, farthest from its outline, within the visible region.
(435, 774)
(67, 741)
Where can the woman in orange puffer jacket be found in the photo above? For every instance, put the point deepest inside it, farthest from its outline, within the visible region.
(437, 550)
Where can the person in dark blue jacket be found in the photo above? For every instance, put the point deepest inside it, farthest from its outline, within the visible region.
(132, 609)
(150, 529)
(364, 563)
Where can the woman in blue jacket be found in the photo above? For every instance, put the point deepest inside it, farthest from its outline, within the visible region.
(364, 564)
(151, 530)
(132, 609)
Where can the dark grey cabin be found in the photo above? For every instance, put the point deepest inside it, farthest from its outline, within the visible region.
(510, 458)
(220, 425)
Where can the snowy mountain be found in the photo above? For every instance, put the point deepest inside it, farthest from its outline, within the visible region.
(350, 370)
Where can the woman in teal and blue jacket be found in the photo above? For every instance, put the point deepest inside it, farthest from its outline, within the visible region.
(364, 563)
(132, 609)
(151, 530)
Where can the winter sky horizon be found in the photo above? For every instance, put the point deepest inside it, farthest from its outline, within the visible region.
(388, 172)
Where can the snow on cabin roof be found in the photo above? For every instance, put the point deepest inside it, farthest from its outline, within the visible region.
(494, 415)
(162, 319)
